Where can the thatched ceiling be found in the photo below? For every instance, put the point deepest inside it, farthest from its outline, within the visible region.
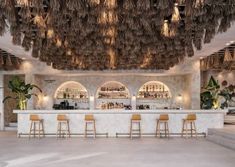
(9, 61)
(224, 59)
(114, 34)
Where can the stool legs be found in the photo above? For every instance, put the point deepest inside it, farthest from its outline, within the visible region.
(92, 123)
(189, 127)
(61, 131)
(134, 130)
(36, 128)
(165, 129)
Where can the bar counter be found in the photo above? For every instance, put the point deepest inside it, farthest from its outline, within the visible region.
(112, 122)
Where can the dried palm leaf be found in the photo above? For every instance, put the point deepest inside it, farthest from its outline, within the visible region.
(227, 56)
(143, 5)
(128, 5)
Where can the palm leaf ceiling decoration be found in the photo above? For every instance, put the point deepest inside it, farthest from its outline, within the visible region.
(114, 34)
(224, 59)
(8, 61)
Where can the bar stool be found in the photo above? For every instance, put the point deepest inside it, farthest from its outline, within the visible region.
(36, 126)
(189, 120)
(62, 130)
(135, 120)
(163, 120)
(90, 120)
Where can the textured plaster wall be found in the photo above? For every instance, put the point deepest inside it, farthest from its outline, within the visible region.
(182, 79)
(177, 85)
(229, 76)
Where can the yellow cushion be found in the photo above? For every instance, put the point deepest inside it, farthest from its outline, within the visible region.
(136, 117)
(34, 117)
(89, 118)
(191, 117)
(164, 117)
(61, 117)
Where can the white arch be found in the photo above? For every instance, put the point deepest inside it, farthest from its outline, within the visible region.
(116, 82)
(156, 82)
(68, 84)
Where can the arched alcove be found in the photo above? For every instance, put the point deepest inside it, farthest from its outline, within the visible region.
(71, 90)
(154, 90)
(74, 93)
(112, 95)
(153, 95)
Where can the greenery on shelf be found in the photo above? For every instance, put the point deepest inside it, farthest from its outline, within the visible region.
(22, 92)
(210, 96)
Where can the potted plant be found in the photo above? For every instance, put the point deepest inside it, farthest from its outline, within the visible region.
(22, 92)
(228, 93)
(210, 95)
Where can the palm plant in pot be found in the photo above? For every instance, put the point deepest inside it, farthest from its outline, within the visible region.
(210, 95)
(228, 93)
(22, 92)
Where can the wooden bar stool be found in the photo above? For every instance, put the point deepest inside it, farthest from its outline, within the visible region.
(62, 126)
(135, 120)
(90, 120)
(189, 120)
(163, 120)
(36, 126)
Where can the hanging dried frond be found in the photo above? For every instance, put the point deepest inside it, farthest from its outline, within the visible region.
(227, 56)
(39, 21)
(163, 4)
(23, 2)
(128, 5)
(93, 3)
(8, 61)
(75, 5)
(143, 5)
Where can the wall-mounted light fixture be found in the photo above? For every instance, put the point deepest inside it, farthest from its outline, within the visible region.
(180, 100)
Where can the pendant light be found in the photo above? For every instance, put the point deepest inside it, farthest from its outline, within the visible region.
(165, 28)
(176, 14)
(227, 56)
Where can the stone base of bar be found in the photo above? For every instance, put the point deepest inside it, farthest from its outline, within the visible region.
(113, 122)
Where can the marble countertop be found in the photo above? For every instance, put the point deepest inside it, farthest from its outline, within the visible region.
(119, 111)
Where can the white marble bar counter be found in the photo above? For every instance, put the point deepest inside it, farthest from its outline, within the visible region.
(118, 121)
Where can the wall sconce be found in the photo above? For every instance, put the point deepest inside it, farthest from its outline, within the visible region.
(92, 102)
(133, 102)
(45, 98)
(180, 100)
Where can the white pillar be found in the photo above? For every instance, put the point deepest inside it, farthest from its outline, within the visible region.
(133, 102)
(29, 79)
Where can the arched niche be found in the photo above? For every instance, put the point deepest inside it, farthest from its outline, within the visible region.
(154, 90)
(71, 90)
(112, 90)
(113, 95)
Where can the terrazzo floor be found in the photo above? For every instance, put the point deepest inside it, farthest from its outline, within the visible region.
(112, 152)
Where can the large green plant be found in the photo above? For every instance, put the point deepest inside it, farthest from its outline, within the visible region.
(22, 92)
(228, 93)
(210, 95)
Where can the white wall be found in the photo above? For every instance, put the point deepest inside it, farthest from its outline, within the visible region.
(182, 79)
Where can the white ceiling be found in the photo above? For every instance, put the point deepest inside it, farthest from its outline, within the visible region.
(217, 43)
